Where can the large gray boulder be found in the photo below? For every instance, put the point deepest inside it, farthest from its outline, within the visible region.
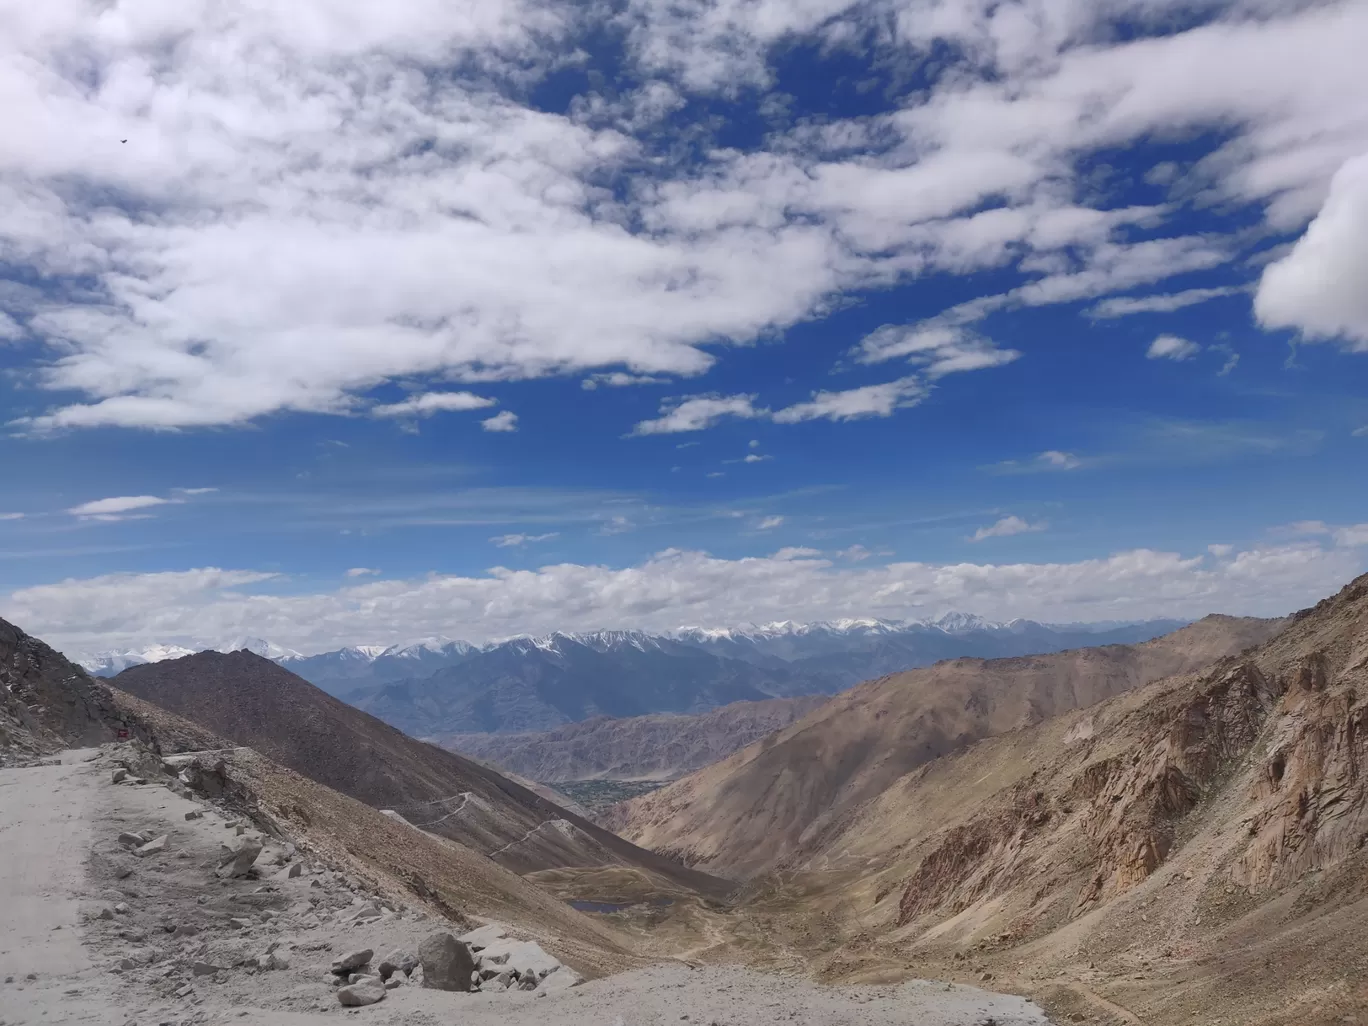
(237, 860)
(351, 961)
(446, 963)
(365, 991)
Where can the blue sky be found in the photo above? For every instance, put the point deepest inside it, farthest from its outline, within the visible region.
(406, 324)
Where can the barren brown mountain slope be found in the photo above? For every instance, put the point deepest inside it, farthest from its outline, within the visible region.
(388, 856)
(256, 703)
(770, 802)
(1193, 851)
(657, 747)
(46, 702)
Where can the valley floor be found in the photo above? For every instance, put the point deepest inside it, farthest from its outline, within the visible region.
(92, 935)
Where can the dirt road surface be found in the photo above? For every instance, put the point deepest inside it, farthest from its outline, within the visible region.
(89, 934)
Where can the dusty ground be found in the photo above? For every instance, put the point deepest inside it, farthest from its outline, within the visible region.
(94, 935)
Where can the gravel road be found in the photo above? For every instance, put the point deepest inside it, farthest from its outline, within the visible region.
(61, 868)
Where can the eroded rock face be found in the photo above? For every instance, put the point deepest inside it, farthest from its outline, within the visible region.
(1310, 797)
(447, 963)
(1115, 821)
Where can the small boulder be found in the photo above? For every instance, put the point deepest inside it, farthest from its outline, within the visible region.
(446, 963)
(397, 961)
(194, 814)
(104, 913)
(205, 968)
(118, 776)
(365, 991)
(394, 982)
(239, 859)
(153, 847)
(294, 871)
(131, 840)
(351, 961)
(121, 908)
(272, 960)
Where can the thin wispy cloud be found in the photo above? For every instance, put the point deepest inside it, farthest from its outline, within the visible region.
(513, 541)
(1006, 528)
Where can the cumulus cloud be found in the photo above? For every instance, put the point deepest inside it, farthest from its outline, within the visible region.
(350, 195)
(209, 606)
(513, 541)
(869, 401)
(1005, 528)
(505, 420)
(1171, 347)
(428, 403)
(755, 457)
(695, 413)
(1318, 287)
(362, 571)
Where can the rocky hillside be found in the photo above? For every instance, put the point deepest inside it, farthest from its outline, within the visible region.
(255, 702)
(771, 802)
(46, 702)
(659, 747)
(1191, 850)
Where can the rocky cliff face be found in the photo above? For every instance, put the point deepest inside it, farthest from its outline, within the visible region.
(1249, 775)
(46, 702)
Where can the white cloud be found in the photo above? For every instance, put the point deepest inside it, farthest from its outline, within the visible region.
(428, 403)
(695, 413)
(856, 554)
(116, 507)
(754, 443)
(1051, 459)
(617, 524)
(362, 571)
(869, 401)
(1360, 432)
(1124, 306)
(1221, 551)
(1318, 287)
(505, 420)
(195, 491)
(619, 379)
(206, 607)
(1171, 347)
(350, 195)
(1005, 528)
(11, 516)
(938, 348)
(1355, 534)
(1057, 460)
(755, 457)
(768, 523)
(513, 541)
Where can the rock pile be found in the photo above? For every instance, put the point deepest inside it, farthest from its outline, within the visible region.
(482, 960)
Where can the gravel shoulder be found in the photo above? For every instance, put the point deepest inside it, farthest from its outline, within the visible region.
(111, 938)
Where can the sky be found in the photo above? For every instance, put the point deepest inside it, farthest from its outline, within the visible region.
(342, 323)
